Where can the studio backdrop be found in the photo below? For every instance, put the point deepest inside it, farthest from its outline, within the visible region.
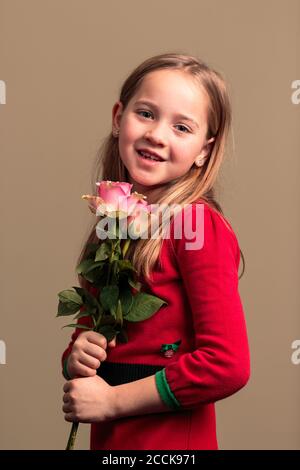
(62, 63)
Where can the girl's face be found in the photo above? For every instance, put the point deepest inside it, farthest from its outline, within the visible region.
(167, 116)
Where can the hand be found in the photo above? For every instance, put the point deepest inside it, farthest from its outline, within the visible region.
(87, 354)
(88, 400)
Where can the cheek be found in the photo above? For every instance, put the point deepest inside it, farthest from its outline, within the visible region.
(131, 130)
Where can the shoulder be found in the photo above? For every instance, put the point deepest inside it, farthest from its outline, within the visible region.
(217, 218)
(200, 226)
(200, 212)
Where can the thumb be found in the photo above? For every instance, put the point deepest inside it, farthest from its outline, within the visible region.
(112, 343)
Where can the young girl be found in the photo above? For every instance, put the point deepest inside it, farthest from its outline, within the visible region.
(158, 390)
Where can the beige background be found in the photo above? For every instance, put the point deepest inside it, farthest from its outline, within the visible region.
(63, 62)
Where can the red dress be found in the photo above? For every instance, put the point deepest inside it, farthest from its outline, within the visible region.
(196, 345)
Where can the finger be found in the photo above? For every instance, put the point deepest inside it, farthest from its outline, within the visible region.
(84, 371)
(97, 338)
(67, 408)
(96, 351)
(89, 361)
(66, 398)
(113, 343)
(70, 417)
(67, 386)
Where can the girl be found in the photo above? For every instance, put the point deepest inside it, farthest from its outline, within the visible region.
(158, 390)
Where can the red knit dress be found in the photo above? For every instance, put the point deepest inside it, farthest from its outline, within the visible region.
(196, 345)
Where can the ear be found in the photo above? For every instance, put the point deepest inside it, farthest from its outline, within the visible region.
(200, 159)
(116, 114)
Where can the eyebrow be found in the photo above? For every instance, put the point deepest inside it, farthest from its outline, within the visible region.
(181, 116)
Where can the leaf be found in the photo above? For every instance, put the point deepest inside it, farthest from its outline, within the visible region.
(103, 252)
(135, 285)
(125, 265)
(126, 299)
(144, 306)
(95, 276)
(95, 265)
(69, 302)
(83, 267)
(86, 313)
(89, 300)
(92, 247)
(67, 296)
(76, 325)
(67, 308)
(118, 247)
(109, 297)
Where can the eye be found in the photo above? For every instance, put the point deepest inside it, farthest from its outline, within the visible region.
(180, 125)
(139, 112)
(186, 130)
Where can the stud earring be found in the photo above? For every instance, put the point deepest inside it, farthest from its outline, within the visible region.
(198, 162)
(116, 132)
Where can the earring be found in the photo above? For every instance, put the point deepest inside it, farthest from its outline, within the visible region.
(116, 132)
(198, 162)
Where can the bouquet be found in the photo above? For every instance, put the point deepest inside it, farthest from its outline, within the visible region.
(126, 216)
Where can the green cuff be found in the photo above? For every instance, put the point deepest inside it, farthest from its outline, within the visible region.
(165, 391)
(65, 370)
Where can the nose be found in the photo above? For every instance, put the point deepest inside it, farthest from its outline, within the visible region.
(155, 134)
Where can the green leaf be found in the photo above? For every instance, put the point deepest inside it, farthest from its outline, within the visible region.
(126, 299)
(95, 265)
(125, 265)
(89, 300)
(103, 251)
(118, 247)
(144, 306)
(76, 325)
(65, 308)
(109, 297)
(135, 285)
(83, 267)
(67, 296)
(86, 313)
(96, 276)
(92, 247)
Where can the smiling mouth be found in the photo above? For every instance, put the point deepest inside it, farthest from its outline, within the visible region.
(151, 159)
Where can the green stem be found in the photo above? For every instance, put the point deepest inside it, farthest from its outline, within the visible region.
(125, 247)
(72, 436)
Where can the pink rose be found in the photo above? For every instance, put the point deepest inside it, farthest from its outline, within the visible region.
(116, 200)
(114, 196)
(111, 199)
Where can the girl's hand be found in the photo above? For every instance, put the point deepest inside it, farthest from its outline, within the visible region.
(88, 400)
(87, 354)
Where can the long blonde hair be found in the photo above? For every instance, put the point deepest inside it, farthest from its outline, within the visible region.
(197, 182)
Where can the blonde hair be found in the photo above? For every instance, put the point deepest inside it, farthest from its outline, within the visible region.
(198, 182)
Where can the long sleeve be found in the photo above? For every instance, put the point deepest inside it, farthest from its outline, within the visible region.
(219, 365)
